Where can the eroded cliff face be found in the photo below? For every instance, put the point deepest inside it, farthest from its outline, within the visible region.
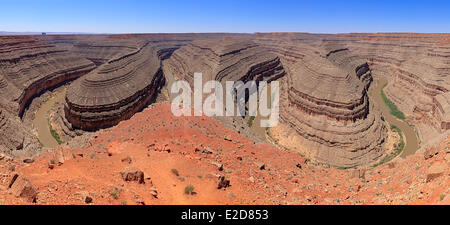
(226, 59)
(13, 136)
(418, 69)
(29, 67)
(116, 90)
(325, 109)
(324, 80)
(101, 50)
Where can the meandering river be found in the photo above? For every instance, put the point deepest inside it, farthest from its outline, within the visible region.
(41, 122)
(409, 134)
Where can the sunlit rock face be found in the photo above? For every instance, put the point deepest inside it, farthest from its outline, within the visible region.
(417, 67)
(226, 59)
(29, 67)
(325, 102)
(116, 90)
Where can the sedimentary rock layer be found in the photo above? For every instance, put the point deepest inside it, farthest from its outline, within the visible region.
(324, 100)
(418, 69)
(116, 90)
(225, 59)
(29, 67)
(12, 134)
(101, 50)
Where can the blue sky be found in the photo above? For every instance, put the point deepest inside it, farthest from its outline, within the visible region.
(171, 16)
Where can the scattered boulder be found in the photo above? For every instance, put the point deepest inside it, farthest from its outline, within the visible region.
(127, 160)
(162, 148)
(203, 150)
(430, 152)
(51, 165)
(88, 199)
(223, 182)
(132, 174)
(5, 158)
(21, 187)
(227, 138)
(436, 170)
(60, 155)
(218, 165)
(154, 192)
(391, 165)
(260, 165)
(12, 179)
(28, 160)
(358, 173)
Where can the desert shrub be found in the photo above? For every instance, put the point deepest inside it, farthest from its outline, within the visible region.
(115, 193)
(175, 171)
(12, 168)
(250, 121)
(392, 107)
(189, 189)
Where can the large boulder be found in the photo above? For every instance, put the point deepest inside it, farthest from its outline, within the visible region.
(132, 174)
(21, 187)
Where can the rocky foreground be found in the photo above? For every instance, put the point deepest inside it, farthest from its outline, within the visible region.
(154, 156)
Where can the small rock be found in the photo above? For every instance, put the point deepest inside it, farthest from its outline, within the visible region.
(223, 182)
(28, 160)
(88, 199)
(204, 150)
(430, 152)
(127, 160)
(251, 179)
(227, 138)
(260, 165)
(154, 192)
(219, 165)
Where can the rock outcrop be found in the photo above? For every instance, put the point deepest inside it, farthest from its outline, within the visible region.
(132, 174)
(14, 133)
(226, 59)
(417, 67)
(102, 50)
(29, 67)
(116, 90)
(324, 101)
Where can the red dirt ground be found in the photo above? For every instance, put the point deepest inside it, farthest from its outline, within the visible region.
(158, 142)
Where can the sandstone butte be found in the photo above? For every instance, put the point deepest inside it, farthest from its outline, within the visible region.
(327, 119)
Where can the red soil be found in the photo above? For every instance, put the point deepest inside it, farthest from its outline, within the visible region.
(198, 146)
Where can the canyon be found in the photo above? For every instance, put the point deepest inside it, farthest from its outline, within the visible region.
(116, 103)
